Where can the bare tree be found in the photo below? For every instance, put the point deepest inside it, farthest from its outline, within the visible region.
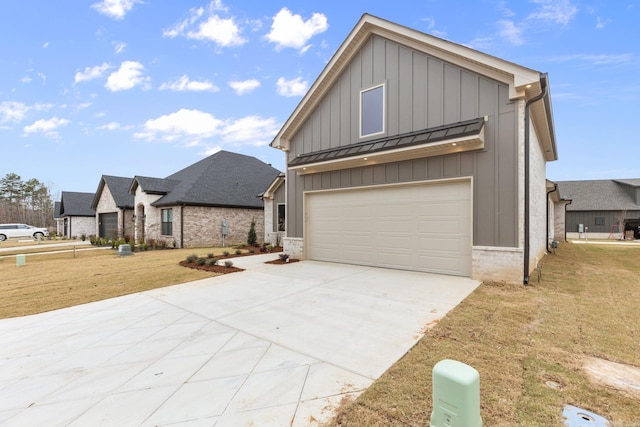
(621, 218)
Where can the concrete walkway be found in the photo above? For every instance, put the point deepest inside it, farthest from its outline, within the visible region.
(274, 345)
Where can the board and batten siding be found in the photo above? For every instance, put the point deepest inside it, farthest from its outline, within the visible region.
(421, 92)
(588, 218)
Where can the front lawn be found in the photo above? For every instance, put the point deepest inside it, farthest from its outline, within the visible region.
(531, 346)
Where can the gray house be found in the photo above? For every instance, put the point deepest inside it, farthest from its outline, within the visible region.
(602, 209)
(274, 211)
(76, 214)
(189, 207)
(416, 153)
(114, 207)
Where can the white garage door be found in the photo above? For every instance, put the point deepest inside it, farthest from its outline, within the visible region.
(424, 227)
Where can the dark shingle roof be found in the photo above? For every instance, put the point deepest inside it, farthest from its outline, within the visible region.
(56, 210)
(154, 185)
(76, 204)
(597, 195)
(222, 179)
(119, 188)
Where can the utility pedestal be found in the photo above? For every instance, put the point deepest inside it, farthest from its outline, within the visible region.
(456, 395)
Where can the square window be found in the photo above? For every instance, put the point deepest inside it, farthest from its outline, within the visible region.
(372, 111)
(167, 222)
(599, 220)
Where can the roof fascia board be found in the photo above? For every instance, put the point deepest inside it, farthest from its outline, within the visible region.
(270, 192)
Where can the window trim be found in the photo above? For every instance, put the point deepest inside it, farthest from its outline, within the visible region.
(169, 224)
(382, 85)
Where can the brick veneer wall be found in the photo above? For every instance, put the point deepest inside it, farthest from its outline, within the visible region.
(203, 225)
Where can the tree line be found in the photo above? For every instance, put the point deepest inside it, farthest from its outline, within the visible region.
(28, 202)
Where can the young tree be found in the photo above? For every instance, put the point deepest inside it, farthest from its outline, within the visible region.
(252, 238)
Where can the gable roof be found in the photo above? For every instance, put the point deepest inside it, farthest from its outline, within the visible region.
(597, 195)
(56, 210)
(222, 179)
(152, 185)
(76, 204)
(119, 188)
(524, 83)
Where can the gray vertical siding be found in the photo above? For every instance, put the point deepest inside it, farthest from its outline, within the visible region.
(421, 92)
(588, 219)
(278, 198)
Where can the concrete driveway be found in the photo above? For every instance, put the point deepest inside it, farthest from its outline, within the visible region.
(274, 345)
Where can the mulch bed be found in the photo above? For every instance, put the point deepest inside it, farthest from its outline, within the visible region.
(220, 269)
(279, 261)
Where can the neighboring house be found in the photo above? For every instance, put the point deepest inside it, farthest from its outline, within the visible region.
(557, 208)
(274, 211)
(416, 153)
(209, 203)
(114, 207)
(57, 217)
(78, 217)
(602, 209)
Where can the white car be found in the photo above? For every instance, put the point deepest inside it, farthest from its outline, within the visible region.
(8, 231)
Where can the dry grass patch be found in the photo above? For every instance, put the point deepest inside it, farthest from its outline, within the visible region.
(52, 281)
(524, 341)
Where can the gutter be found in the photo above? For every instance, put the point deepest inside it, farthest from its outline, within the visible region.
(555, 188)
(527, 136)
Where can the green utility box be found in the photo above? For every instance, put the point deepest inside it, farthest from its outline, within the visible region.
(456, 395)
(21, 259)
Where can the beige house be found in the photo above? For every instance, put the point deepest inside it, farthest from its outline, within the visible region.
(416, 153)
(76, 217)
(113, 206)
(210, 203)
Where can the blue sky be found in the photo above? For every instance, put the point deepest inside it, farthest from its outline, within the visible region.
(128, 87)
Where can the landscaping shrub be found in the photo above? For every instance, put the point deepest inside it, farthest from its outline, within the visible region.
(225, 253)
(192, 258)
(238, 251)
(211, 262)
(83, 237)
(283, 257)
(202, 261)
(209, 255)
(252, 238)
(228, 263)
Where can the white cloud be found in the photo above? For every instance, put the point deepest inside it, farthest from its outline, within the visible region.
(116, 9)
(207, 25)
(111, 126)
(601, 23)
(245, 86)
(510, 32)
(295, 87)
(45, 45)
(181, 124)
(118, 47)
(12, 112)
(26, 79)
(554, 11)
(91, 73)
(194, 126)
(288, 30)
(129, 75)
(46, 127)
(184, 84)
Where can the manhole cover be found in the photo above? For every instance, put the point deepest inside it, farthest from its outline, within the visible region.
(577, 417)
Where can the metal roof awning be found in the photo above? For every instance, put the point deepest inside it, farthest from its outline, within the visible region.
(452, 138)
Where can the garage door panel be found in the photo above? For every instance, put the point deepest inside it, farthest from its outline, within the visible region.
(416, 227)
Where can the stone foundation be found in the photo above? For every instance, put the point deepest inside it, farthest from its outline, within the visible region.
(294, 246)
(498, 264)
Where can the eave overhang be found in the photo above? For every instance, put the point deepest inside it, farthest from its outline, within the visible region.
(437, 141)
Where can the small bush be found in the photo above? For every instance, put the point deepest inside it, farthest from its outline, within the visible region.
(269, 248)
(144, 246)
(225, 253)
(228, 263)
(238, 251)
(252, 251)
(192, 258)
(283, 257)
(175, 244)
(209, 255)
(211, 262)
(83, 237)
(202, 261)
(128, 239)
(163, 244)
(252, 238)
